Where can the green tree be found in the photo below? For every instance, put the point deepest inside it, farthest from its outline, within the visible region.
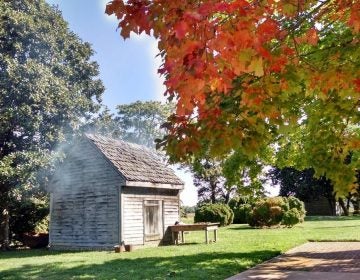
(210, 182)
(303, 185)
(234, 177)
(141, 122)
(247, 174)
(48, 87)
(104, 123)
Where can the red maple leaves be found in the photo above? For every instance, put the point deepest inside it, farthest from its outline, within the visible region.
(245, 49)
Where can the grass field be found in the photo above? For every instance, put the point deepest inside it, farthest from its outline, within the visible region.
(238, 248)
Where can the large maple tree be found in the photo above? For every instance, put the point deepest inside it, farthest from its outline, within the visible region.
(250, 74)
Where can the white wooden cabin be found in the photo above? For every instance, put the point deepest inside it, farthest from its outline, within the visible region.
(107, 191)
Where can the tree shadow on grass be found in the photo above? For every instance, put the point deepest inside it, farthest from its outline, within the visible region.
(196, 266)
(337, 226)
(241, 227)
(30, 253)
(331, 218)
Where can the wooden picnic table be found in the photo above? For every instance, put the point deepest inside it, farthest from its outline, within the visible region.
(206, 227)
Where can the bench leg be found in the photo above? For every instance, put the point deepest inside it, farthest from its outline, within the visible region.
(215, 235)
(182, 237)
(206, 237)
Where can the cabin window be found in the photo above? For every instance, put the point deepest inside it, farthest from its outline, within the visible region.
(153, 220)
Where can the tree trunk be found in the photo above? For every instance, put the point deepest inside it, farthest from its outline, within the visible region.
(227, 197)
(213, 193)
(356, 204)
(348, 200)
(343, 206)
(4, 228)
(332, 205)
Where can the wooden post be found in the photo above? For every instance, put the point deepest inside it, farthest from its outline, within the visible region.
(182, 237)
(206, 237)
(215, 235)
(173, 237)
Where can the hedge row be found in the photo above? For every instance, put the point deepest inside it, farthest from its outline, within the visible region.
(266, 212)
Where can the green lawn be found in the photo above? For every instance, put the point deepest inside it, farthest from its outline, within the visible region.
(238, 248)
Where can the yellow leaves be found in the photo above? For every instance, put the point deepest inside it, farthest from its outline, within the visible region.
(289, 9)
(238, 66)
(214, 84)
(256, 66)
(247, 62)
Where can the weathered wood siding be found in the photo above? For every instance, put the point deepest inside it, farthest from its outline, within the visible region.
(85, 201)
(132, 199)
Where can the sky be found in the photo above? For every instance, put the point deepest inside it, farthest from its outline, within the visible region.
(128, 69)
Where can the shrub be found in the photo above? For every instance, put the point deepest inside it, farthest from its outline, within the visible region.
(215, 213)
(297, 204)
(260, 214)
(231, 217)
(182, 212)
(241, 214)
(271, 212)
(268, 212)
(27, 216)
(292, 217)
(234, 203)
(278, 201)
(276, 215)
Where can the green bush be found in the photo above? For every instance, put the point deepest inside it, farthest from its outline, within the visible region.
(291, 217)
(241, 214)
(297, 204)
(214, 213)
(268, 212)
(260, 214)
(27, 216)
(271, 212)
(234, 203)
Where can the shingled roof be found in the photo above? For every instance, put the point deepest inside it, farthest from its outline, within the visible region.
(136, 163)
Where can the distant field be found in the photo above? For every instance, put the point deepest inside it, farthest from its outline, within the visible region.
(238, 248)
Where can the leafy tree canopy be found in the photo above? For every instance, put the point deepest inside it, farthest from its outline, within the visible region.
(252, 74)
(301, 184)
(48, 87)
(140, 122)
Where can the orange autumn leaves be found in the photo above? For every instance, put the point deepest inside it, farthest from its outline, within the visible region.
(247, 49)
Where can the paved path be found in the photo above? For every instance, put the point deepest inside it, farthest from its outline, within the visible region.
(313, 260)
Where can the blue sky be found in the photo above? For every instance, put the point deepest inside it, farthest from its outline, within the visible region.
(128, 68)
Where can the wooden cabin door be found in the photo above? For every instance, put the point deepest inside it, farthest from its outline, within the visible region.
(153, 220)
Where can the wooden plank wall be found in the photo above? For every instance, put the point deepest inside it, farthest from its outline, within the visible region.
(133, 220)
(85, 201)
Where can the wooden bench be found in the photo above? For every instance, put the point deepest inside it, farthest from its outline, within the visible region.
(176, 229)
